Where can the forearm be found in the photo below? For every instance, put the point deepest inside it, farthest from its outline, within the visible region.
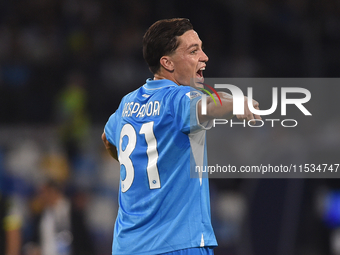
(213, 111)
(221, 111)
(113, 152)
(225, 110)
(109, 147)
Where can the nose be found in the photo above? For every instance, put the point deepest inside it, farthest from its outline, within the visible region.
(204, 57)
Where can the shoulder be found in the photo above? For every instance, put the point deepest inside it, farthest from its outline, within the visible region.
(131, 94)
(187, 92)
(184, 98)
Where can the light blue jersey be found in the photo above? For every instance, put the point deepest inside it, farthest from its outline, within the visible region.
(159, 142)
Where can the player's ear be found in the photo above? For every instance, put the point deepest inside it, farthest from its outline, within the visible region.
(167, 63)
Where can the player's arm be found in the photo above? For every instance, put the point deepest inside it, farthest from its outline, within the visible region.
(109, 147)
(225, 110)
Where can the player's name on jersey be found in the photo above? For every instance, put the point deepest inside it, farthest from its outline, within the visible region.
(134, 109)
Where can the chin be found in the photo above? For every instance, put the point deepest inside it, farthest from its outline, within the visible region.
(197, 82)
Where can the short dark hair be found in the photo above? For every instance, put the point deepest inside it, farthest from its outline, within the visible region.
(161, 40)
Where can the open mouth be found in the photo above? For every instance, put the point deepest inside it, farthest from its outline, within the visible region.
(199, 73)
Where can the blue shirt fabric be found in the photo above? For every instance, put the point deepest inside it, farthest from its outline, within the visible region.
(159, 141)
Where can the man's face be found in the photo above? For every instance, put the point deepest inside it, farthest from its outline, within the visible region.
(189, 60)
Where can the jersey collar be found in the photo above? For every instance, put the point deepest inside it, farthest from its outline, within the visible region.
(158, 84)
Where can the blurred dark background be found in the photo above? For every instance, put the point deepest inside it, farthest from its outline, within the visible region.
(65, 65)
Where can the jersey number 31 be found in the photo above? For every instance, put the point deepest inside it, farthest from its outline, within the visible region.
(124, 155)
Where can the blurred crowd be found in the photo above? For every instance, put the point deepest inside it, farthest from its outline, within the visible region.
(65, 65)
(43, 42)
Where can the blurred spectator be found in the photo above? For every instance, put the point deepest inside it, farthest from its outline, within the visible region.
(59, 227)
(10, 230)
(72, 116)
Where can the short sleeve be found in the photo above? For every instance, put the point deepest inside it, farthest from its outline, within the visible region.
(186, 111)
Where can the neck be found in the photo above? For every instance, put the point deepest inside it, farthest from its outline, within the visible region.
(160, 76)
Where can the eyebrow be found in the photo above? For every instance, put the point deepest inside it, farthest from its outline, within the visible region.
(193, 45)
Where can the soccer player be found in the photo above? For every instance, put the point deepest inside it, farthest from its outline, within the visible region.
(158, 136)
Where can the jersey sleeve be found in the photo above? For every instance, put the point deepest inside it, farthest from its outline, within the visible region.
(186, 114)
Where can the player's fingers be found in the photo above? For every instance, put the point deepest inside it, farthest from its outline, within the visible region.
(258, 117)
(249, 116)
(241, 117)
(252, 118)
(256, 104)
